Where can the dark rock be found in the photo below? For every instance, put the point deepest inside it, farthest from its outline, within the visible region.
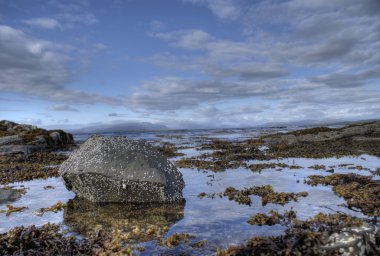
(118, 169)
(7, 195)
(26, 139)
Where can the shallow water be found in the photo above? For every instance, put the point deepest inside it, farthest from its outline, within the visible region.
(220, 221)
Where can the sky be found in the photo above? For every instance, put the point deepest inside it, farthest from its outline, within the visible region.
(189, 63)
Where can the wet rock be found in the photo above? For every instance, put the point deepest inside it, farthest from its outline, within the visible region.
(324, 234)
(17, 149)
(7, 195)
(26, 139)
(6, 140)
(118, 169)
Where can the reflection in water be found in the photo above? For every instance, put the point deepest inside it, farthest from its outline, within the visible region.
(136, 220)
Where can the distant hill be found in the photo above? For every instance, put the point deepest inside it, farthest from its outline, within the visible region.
(120, 127)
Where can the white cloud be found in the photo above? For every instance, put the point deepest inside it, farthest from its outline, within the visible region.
(117, 115)
(39, 68)
(174, 93)
(43, 23)
(100, 46)
(86, 18)
(62, 108)
(228, 10)
(157, 25)
(193, 39)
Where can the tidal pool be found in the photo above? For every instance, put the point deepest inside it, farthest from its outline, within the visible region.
(218, 220)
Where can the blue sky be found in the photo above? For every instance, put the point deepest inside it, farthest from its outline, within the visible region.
(190, 63)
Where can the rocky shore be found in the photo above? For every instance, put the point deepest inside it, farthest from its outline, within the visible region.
(27, 152)
(320, 142)
(115, 229)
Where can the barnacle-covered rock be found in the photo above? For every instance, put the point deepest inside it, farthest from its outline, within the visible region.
(118, 169)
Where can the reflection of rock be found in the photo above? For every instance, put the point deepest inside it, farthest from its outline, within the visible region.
(140, 222)
(7, 195)
(117, 169)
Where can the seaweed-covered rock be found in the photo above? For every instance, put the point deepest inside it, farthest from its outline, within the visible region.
(118, 169)
(26, 139)
(366, 131)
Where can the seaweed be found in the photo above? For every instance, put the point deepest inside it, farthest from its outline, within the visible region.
(54, 208)
(48, 240)
(318, 167)
(36, 166)
(314, 236)
(215, 166)
(359, 191)
(272, 219)
(12, 209)
(266, 192)
(175, 239)
(169, 150)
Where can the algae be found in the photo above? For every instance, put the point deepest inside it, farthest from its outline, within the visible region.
(359, 191)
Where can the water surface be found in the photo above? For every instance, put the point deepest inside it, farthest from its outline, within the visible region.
(219, 221)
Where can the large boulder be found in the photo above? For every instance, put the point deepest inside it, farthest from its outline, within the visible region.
(118, 169)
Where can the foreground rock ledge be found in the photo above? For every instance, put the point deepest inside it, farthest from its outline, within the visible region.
(118, 169)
